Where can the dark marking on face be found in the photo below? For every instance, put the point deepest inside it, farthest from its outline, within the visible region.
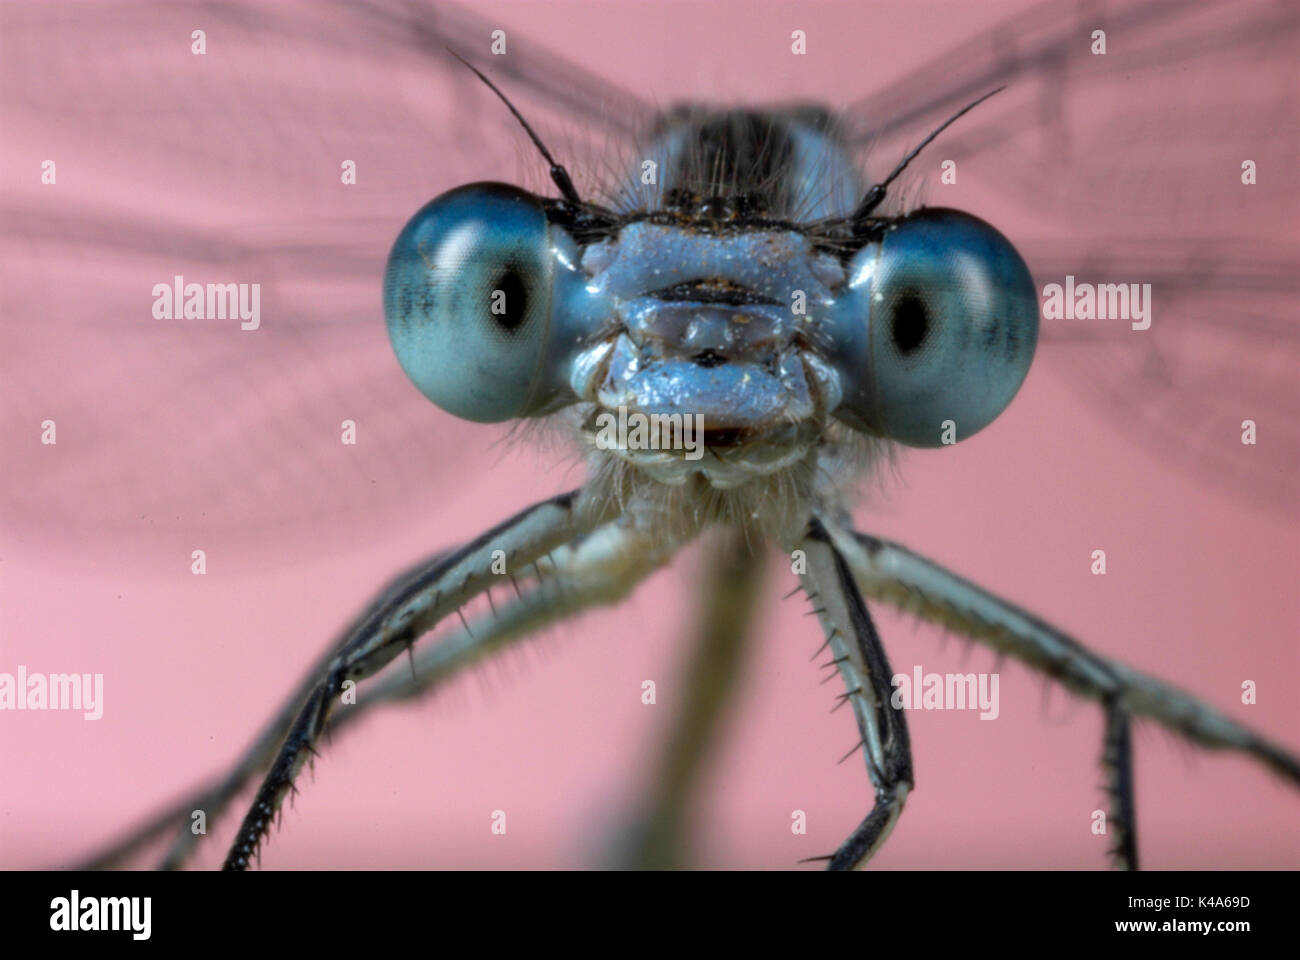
(711, 290)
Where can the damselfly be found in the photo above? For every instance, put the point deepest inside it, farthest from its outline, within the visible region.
(285, 147)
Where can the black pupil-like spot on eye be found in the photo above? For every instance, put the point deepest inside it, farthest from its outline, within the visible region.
(510, 299)
(911, 322)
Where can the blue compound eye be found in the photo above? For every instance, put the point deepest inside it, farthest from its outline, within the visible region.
(951, 325)
(467, 297)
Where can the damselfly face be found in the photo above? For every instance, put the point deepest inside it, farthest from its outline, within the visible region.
(742, 310)
(290, 153)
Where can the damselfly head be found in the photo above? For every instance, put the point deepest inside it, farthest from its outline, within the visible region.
(748, 318)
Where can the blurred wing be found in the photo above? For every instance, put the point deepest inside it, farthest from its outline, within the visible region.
(228, 167)
(1132, 162)
(1226, 352)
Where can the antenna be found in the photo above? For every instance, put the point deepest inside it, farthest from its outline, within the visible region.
(558, 173)
(876, 195)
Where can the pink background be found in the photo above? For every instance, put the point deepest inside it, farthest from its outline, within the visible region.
(94, 547)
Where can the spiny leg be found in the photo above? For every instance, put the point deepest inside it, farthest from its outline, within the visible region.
(893, 573)
(728, 596)
(213, 798)
(410, 608)
(599, 568)
(856, 650)
(1117, 759)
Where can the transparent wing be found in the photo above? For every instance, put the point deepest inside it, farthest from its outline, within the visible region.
(1226, 353)
(1127, 167)
(229, 166)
